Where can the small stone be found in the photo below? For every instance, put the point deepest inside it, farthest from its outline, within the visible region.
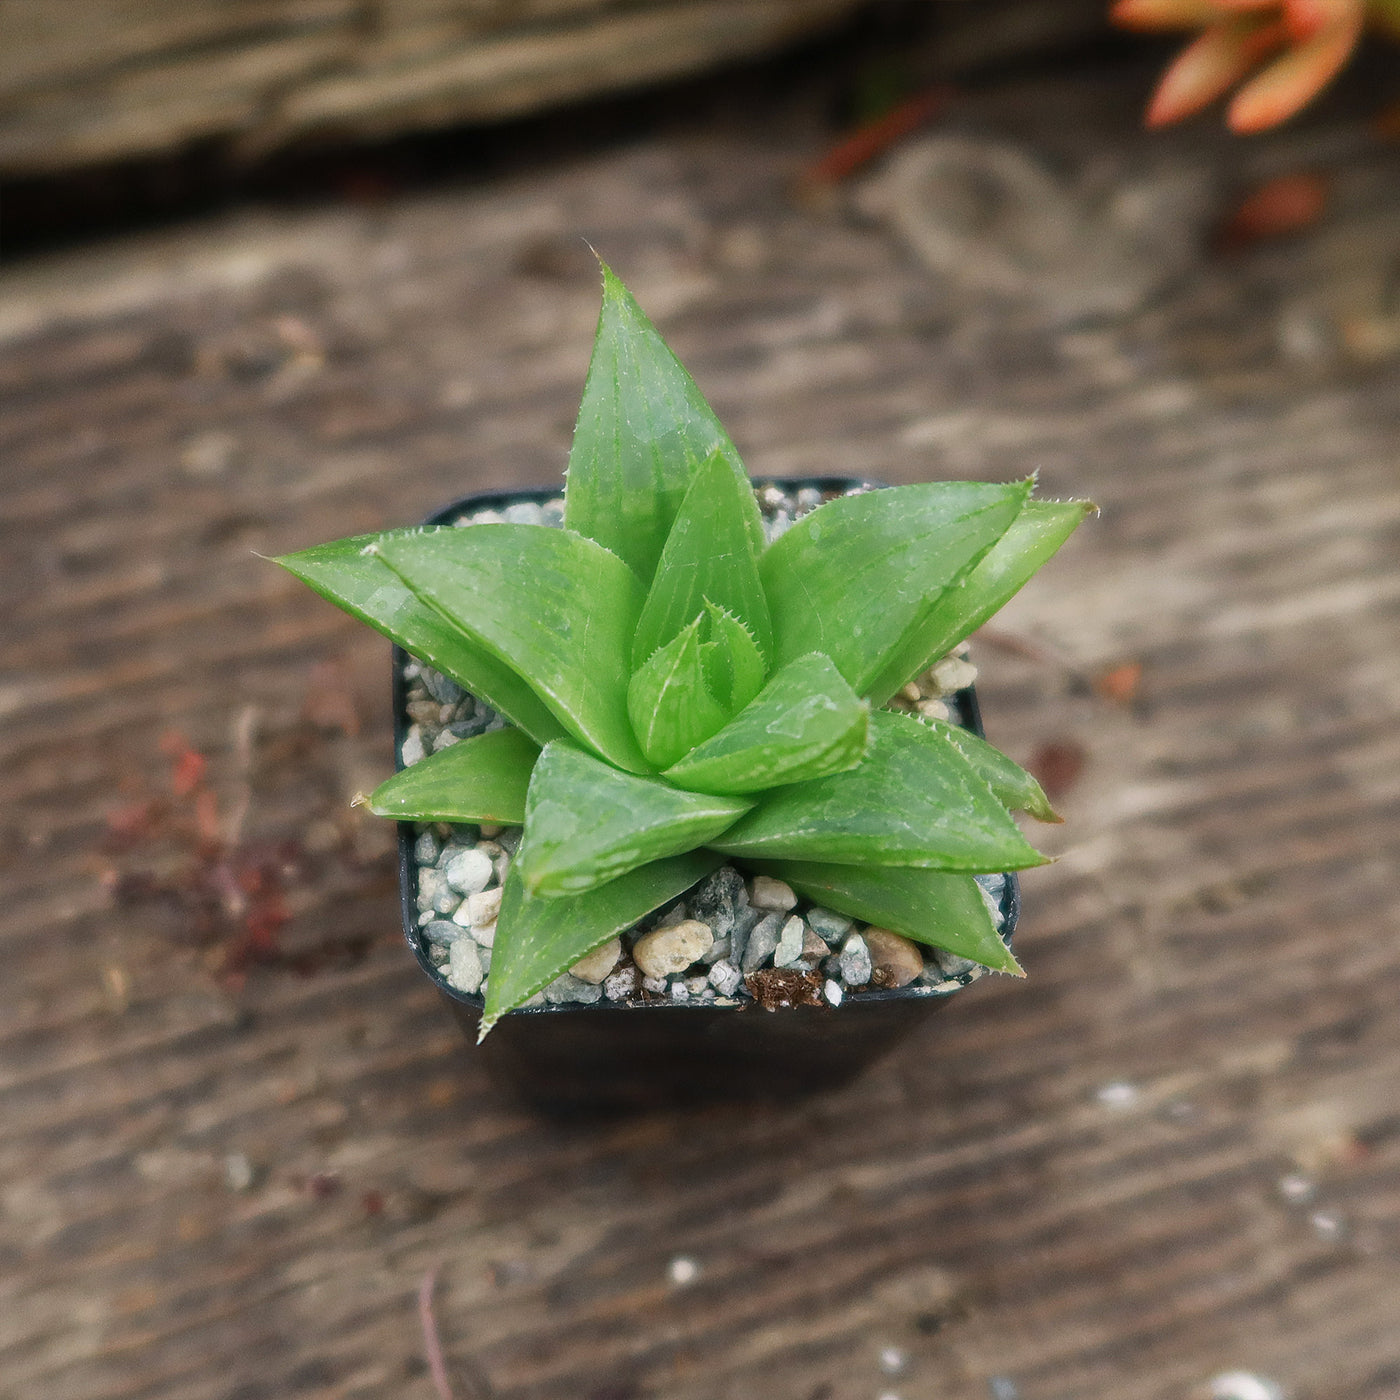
(895, 960)
(426, 848)
(445, 740)
(763, 943)
(768, 893)
(432, 889)
(855, 962)
(745, 921)
(725, 978)
(469, 872)
(489, 830)
(1244, 1385)
(442, 931)
(814, 948)
(654, 984)
(623, 983)
(412, 749)
(567, 988)
(238, 1172)
(833, 927)
(508, 838)
(953, 674)
(483, 907)
(717, 900)
(697, 985)
(485, 935)
(788, 953)
(524, 513)
(892, 1360)
(442, 688)
(668, 950)
(934, 709)
(1119, 1094)
(678, 991)
(598, 964)
(717, 950)
(912, 693)
(682, 1271)
(808, 498)
(832, 992)
(951, 965)
(464, 970)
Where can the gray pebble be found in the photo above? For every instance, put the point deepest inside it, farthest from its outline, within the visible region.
(832, 926)
(444, 932)
(725, 977)
(426, 848)
(622, 984)
(430, 886)
(788, 953)
(951, 965)
(745, 921)
(442, 688)
(469, 871)
(444, 740)
(855, 962)
(568, 988)
(763, 943)
(464, 970)
(717, 950)
(718, 899)
(508, 839)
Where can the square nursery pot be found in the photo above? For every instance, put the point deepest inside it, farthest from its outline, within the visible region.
(615, 1056)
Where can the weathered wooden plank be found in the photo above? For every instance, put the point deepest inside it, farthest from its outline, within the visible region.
(1171, 1153)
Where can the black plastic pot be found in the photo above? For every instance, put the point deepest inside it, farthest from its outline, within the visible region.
(609, 1057)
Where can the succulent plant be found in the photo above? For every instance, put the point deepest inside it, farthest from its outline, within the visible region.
(1281, 52)
(679, 696)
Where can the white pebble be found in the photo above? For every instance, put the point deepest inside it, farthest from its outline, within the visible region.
(789, 950)
(682, 1271)
(832, 992)
(668, 950)
(464, 966)
(891, 1360)
(485, 934)
(952, 674)
(599, 963)
(412, 749)
(725, 977)
(1244, 1385)
(1119, 1094)
(654, 984)
(1297, 1188)
(469, 872)
(769, 893)
(483, 907)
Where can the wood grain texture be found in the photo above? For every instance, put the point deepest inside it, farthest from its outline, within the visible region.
(1220, 935)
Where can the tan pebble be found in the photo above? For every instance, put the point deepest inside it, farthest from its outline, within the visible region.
(895, 959)
(814, 948)
(952, 674)
(933, 709)
(599, 963)
(769, 893)
(911, 692)
(483, 907)
(668, 950)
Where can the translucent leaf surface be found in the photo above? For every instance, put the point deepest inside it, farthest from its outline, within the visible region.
(481, 779)
(1013, 786)
(805, 723)
(365, 587)
(913, 800)
(1038, 531)
(643, 430)
(856, 576)
(557, 608)
(537, 939)
(669, 701)
(929, 906)
(709, 556)
(587, 823)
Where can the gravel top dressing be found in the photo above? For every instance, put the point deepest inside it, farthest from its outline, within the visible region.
(732, 938)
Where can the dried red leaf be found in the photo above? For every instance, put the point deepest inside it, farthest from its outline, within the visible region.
(1056, 766)
(1285, 205)
(875, 137)
(1120, 684)
(187, 772)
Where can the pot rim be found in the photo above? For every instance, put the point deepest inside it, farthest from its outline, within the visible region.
(970, 716)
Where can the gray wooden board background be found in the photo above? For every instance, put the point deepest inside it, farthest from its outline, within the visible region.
(1173, 1152)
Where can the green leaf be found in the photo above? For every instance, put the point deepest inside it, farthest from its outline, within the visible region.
(587, 823)
(480, 779)
(914, 800)
(555, 607)
(1013, 786)
(805, 723)
(730, 659)
(643, 429)
(345, 574)
(709, 556)
(943, 911)
(669, 700)
(1033, 537)
(857, 575)
(537, 939)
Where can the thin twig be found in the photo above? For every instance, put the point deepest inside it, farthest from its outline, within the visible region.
(245, 733)
(431, 1345)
